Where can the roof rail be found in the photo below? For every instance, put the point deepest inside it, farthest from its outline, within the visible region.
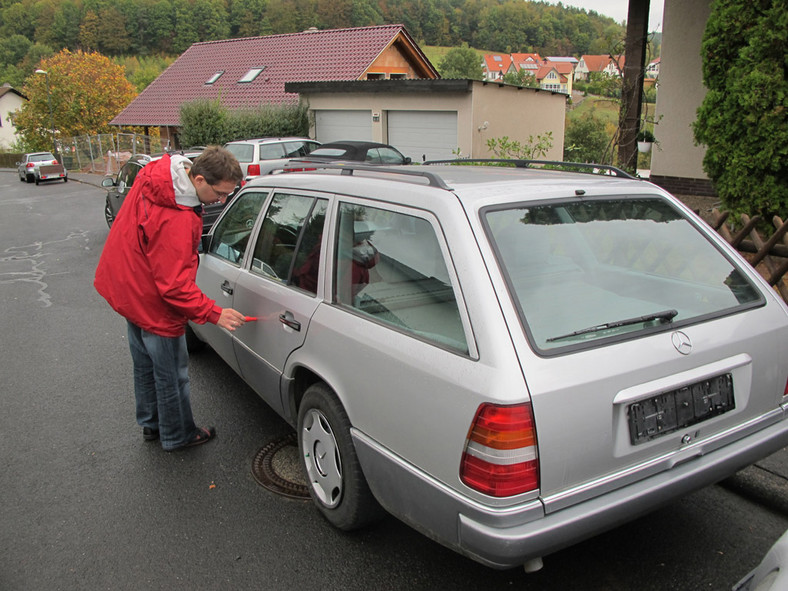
(348, 169)
(520, 163)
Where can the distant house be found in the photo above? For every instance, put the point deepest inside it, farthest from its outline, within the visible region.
(601, 64)
(10, 101)
(497, 65)
(529, 62)
(248, 72)
(556, 76)
(652, 69)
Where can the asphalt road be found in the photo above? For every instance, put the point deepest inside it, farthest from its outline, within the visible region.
(86, 504)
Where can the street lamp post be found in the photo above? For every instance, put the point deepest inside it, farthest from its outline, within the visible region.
(51, 120)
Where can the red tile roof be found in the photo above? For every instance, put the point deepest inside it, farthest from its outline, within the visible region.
(596, 63)
(497, 62)
(338, 54)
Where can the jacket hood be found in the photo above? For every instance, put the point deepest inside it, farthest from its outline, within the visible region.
(166, 182)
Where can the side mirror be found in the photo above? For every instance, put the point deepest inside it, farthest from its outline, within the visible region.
(107, 182)
(408, 160)
(19, 164)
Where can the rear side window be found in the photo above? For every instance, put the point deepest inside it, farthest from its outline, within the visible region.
(232, 231)
(242, 152)
(298, 148)
(390, 267)
(271, 151)
(288, 247)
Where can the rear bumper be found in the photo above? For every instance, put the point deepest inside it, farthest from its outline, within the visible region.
(505, 537)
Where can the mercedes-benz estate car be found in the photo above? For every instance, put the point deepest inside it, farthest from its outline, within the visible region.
(508, 360)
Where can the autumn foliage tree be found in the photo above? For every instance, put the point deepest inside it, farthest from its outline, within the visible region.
(86, 90)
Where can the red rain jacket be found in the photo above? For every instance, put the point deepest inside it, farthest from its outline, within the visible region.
(149, 262)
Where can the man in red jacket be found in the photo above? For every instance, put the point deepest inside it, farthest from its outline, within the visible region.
(147, 274)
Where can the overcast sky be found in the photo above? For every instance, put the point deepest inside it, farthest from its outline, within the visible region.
(617, 9)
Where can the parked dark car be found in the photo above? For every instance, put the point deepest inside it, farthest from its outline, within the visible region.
(119, 186)
(354, 151)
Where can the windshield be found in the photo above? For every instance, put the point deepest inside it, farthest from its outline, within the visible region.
(582, 271)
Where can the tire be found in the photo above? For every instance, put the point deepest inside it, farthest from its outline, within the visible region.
(65, 179)
(22, 179)
(336, 483)
(29, 178)
(37, 180)
(193, 342)
(108, 215)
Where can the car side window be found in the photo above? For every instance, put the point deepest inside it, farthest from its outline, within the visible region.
(299, 148)
(126, 176)
(389, 266)
(232, 231)
(389, 156)
(288, 246)
(271, 151)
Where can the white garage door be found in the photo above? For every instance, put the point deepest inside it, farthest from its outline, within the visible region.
(336, 125)
(419, 134)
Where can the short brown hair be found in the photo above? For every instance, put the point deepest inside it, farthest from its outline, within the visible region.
(217, 164)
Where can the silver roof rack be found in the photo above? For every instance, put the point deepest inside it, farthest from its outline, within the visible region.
(583, 167)
(348, 169)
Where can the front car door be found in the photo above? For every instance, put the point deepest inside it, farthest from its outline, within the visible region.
(221, 266)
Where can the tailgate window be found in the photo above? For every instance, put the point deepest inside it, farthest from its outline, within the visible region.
(586, 271)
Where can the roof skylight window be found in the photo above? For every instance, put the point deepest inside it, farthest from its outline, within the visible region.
(251, 74)
(215, 77)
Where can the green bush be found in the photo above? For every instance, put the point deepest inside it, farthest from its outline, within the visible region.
(586, 140)
(206, 122)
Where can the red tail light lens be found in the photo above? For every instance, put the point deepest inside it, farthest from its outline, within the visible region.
(253, 170)
(29, 165)
(501, 457)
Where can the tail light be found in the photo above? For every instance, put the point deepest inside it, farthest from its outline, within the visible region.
(299, 169)
(30, 165)
(253, 170)
(501, 457)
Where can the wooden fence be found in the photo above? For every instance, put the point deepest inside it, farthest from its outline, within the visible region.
(769, 257)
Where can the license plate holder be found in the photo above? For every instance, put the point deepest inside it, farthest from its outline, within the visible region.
(676, 409)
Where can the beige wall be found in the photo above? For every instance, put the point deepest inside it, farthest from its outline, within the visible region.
(506, 110)
(680, 91)
(9, 103)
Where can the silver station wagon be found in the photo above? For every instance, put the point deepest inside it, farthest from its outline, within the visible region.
(509, 360)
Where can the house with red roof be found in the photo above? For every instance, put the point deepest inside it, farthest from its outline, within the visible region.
(601, 64)
(526, 61)
(556, 76)
(497, 65)
(248, 72)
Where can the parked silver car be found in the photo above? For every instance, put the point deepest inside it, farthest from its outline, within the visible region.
(263, 155)
(509, 360)
(40, 166)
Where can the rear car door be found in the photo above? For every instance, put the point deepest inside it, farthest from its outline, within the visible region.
(280, 288)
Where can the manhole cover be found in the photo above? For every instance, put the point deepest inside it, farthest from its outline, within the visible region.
(277, 468)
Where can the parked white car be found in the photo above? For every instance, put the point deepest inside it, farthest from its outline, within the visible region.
(509, 360)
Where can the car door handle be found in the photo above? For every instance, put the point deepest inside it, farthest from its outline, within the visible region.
(288, 320)
(227, 288)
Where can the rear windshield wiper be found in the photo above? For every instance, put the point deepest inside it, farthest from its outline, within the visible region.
(665, 316)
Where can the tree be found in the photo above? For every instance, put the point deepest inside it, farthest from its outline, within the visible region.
(86, 90)
(743, 120)
(586, 140)
(521, 78)
(461, 62)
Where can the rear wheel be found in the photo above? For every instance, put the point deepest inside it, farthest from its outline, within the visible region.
(29, 178)
(336, 483)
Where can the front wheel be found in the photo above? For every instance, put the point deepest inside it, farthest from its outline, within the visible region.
(336, 483)
(108, 215)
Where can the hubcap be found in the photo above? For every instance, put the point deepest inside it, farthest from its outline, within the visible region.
(321, 457)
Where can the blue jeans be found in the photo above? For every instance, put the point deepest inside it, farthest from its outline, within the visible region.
(161, 386)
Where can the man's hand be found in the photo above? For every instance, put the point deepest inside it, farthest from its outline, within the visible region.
(230, 319)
